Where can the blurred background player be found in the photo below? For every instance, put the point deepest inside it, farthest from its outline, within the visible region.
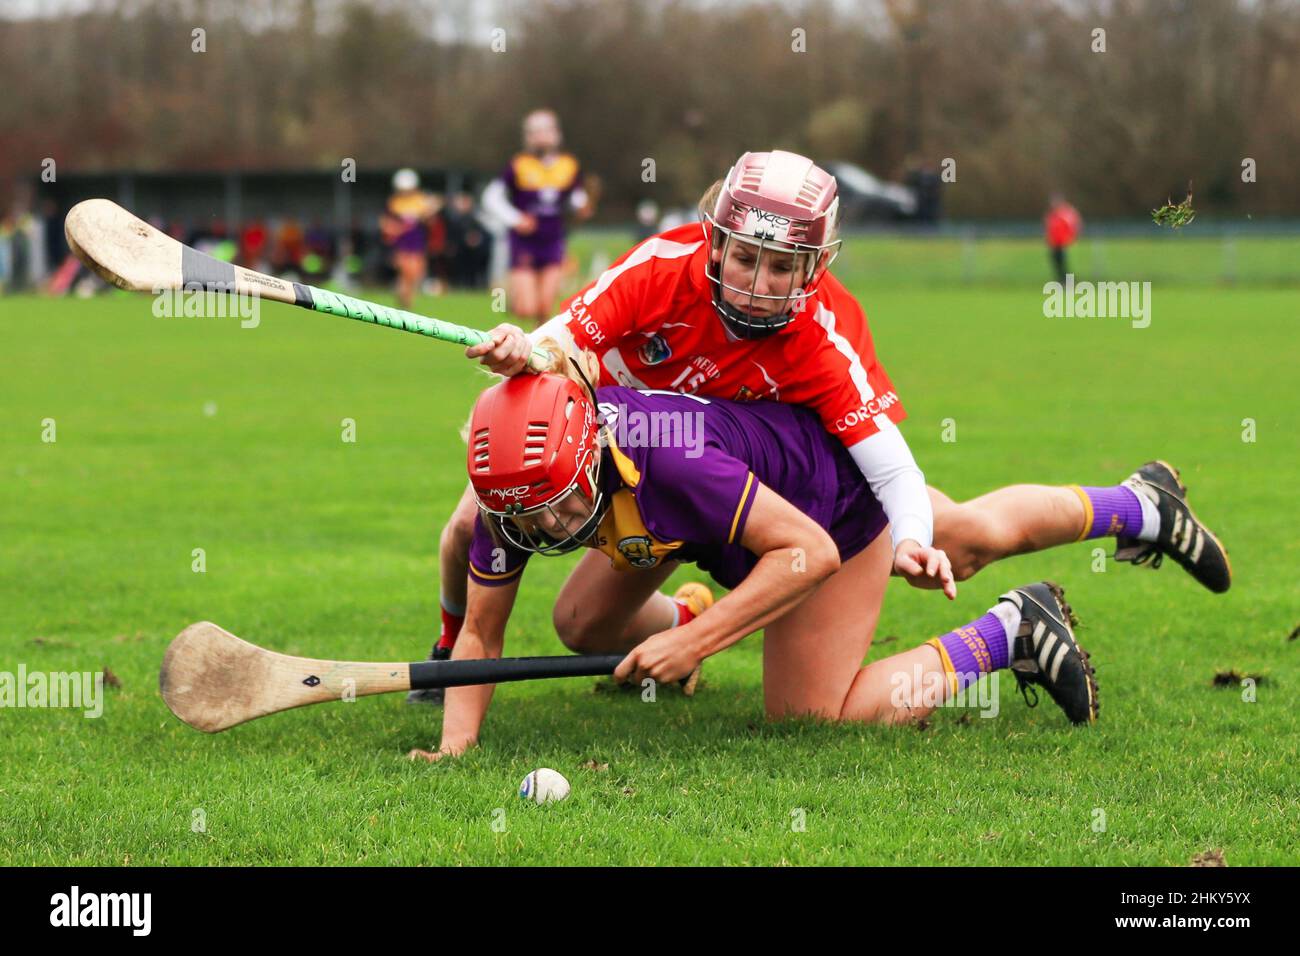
(1061, 224)
(404, 226)
(531, 197)
(468, 244)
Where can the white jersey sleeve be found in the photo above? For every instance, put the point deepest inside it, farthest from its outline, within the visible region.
(498, 205)
(557, 329)
(898, 484)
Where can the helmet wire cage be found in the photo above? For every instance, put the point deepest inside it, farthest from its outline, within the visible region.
(527, 536)
(808, 263)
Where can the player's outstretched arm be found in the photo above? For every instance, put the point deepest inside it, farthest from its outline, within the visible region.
(481, 638)
(898, 484)
(795, 556)
(506, 353)
(925, 567)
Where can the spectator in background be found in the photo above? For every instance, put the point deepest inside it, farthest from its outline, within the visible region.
(18, 255)
(437, 252)
(468, 244)
(1062, 225)
(27, 232)
(6, 254)
(56, 243)
(252, 246)
(205, 236)
(404, 226)
(647, 219)
(64, 267)
(318, 259)
(363, 260)
(288, 248)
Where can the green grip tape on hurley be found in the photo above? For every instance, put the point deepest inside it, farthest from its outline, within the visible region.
(334, 303)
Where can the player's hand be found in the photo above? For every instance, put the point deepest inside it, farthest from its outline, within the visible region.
(428, 756)
(664, 657)
(527, 225)
(446, 750)
(507, 353)
(924, 567)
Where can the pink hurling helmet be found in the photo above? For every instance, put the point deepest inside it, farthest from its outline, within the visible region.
(770, 230)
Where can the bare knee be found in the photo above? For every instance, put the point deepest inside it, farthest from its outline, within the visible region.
(969, 537)
(577, 631)
(457, 533)
(802, 710)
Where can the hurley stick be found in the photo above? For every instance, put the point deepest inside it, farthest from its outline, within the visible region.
(131, 254)
(212, 680)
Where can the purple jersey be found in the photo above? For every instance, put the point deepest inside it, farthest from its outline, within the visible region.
(543, 190)
(412, 211)
(681, 473)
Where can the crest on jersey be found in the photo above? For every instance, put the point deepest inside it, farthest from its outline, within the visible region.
(636, 549)
(655, 350)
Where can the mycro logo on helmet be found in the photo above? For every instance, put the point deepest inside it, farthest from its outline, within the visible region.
(767, 225)
(518, 492)
(588, 433)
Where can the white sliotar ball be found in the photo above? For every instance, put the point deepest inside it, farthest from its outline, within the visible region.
(543, 786)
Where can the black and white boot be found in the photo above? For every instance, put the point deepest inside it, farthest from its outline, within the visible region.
(1181, 535)
(1045, 652)
(431, 695)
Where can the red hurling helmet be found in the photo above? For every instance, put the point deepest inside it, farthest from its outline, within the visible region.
(534, 462)
(772, 223)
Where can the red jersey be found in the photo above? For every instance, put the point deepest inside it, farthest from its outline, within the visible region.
(1062, 224)
(650, 317)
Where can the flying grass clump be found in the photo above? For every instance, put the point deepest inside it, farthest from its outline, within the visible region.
(1175, 215)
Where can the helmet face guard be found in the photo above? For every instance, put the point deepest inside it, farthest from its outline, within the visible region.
(794, 269)
(534, 463)
(771, 225)
(559, 526)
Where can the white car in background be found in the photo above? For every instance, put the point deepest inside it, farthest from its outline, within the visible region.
(863, 197)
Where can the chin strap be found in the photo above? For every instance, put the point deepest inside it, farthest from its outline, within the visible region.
(746, 329)
(591, 389)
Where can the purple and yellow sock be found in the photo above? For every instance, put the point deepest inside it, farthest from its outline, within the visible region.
(980, 647)
(1109, 511)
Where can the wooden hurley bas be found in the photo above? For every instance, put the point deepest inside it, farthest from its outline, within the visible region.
(131, 254)
(212, 680)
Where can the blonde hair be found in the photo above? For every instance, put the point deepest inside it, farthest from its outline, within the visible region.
(557, 364)
(560, 363)
(709, 201)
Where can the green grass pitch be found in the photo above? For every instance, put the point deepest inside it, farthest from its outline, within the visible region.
(177, 434)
